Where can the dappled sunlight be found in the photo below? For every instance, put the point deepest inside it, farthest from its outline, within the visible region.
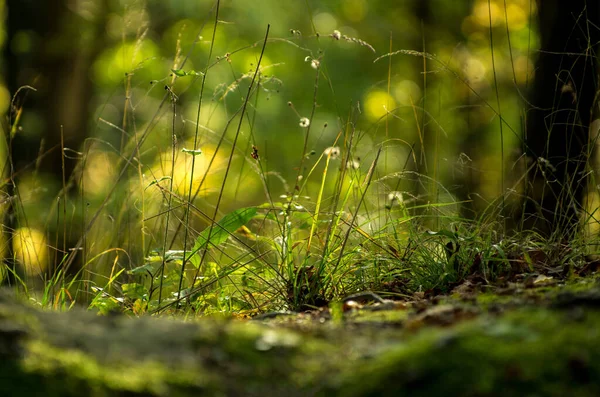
(407, 93)
(204, 181)
(378, 104)
(30, 249)
(99, 174)
(114, 62)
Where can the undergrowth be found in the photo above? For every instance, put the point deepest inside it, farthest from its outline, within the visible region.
(344, 223)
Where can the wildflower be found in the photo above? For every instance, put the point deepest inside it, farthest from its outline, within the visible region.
(304, 122)
(333, 152)
(336, 34)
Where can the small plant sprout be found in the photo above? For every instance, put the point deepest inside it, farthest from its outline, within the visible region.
(336, 34)
(333, 152)
(304, 122)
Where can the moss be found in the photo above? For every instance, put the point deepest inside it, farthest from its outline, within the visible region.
(453, 349)
(527, 352)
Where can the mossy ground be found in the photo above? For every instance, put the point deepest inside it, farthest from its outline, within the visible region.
(534, 341)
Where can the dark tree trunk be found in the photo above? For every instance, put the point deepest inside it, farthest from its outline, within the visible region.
(51, 46)
(563, 98)
(56, 61)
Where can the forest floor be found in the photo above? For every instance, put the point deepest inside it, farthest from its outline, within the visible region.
(539, 335)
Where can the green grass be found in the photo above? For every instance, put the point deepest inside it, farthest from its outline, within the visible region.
(340, 226)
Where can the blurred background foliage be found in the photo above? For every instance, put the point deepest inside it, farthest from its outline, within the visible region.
(99, 70)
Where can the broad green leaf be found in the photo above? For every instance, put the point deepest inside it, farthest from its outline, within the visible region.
(221, 231)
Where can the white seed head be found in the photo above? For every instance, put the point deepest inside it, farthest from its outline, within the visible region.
(315, 64)
(336, 34)
(333, 152)
(353, 164)
(304, 122)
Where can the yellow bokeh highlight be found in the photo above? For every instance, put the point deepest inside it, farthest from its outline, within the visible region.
(251, 60)
(517, 14)
(182, 172)
(378, 104)
(407, 92)
(517, 17)
(99, 173)
(481, 13)
(113, 63)
(355, 10)
(524, 69)
(325, 22)
(30, 250)
(474, 70)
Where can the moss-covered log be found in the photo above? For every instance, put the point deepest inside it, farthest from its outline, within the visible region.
(550, 348)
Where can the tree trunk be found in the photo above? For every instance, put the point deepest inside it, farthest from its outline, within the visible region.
(563, 98)
(51, 47)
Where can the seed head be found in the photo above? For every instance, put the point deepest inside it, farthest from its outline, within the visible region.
(333, 152)
(304, 122)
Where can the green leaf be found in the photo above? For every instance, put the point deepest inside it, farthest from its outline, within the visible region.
(134, 291)
(221, 231)
(193, 152)
(154, 182)
(144, 269)
(183, 73)
(443, 232)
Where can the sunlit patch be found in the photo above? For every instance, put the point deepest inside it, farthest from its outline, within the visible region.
(30, 250)
(182, 172)
(251, 60)
(592, 224)
(325, 22)
(99, 173)
(524, 69)
(517, 17)
(114, 62)
(355, 10)
(407, 92)
(378, 104)
(212, 117)
(481, 13)
(474, 70)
